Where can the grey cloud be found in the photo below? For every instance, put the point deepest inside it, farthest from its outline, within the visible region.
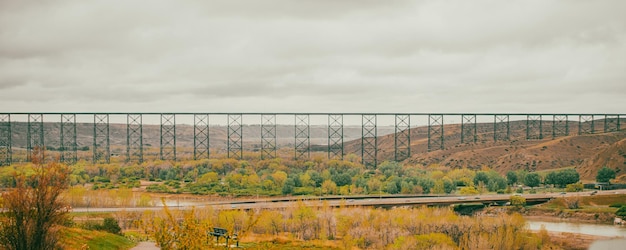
(326, 55)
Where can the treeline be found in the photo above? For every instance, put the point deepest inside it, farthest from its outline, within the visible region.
(318, 176)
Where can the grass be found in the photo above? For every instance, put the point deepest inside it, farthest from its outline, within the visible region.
(588, 204)
(604, 200)
(76, 238)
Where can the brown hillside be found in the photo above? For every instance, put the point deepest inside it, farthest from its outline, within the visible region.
(613, 156)
(518, 153)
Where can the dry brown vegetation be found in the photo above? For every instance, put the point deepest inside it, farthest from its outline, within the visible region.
(344, 228)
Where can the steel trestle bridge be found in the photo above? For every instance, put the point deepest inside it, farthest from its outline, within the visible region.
(536, 126)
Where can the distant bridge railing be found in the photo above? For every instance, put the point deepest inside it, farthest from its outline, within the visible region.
(536, 127)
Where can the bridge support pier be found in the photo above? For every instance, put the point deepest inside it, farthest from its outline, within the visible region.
(5, 140)
(201, 136)
(435, 133)
(68, 147)
(302, 137)
(402, 137)
(468, 129)
(534, 127)
(268, 136)
(369, 143)
(501, 128)
(235, 134)
(101, 140)
(134, 137)
(586, 124)
(35, 138)
(168, 137)
(335, 136)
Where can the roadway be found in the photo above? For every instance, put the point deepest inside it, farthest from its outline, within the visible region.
(364, 201)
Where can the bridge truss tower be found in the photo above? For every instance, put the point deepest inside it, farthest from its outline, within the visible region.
(268, 136)
(435, 132)
(534, 127)
(235, 136)
(501, 128)
(101, 140)
(35, 138)
(369, 142)
(168, 137)
(586, 124)
(402, 137)
(560, 126)
(5, 140)
(468, 129)
(335, 136)
(134, 137)
(68, 147)
(302, 136)
(201, 136)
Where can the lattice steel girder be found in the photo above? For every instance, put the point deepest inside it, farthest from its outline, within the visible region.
(501, 128)
(435, 132)
(369, 142)
(201, 136)
(468, 128)
(586, 124)
(101, 139)
(68, 147)
(134, 137)
(235, 136)
(560, 125)
(534, 127)
(168, 137)
(611, 123)
(35, 138)
(302, 137)
(402, 137)
(335, 136)
(5, 140)
(268, 136)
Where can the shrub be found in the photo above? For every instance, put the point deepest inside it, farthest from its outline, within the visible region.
(576, 187)
(518, 201)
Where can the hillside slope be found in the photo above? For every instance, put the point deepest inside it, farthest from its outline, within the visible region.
(587, 152)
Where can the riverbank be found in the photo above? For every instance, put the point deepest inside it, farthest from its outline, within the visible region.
(573, 241)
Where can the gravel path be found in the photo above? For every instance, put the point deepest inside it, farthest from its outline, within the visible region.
(146, 245)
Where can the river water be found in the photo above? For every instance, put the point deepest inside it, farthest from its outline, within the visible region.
(590, 229)
(580, 228)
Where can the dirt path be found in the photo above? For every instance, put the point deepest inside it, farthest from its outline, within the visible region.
(145, 245)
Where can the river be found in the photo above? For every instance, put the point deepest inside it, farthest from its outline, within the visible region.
(580, 228)
(589, 229)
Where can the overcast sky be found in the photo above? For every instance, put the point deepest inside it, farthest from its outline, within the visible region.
(313, 56)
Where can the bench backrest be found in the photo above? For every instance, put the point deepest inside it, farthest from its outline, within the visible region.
(220, 231)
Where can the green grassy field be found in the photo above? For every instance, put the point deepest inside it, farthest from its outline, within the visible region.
(76, 238)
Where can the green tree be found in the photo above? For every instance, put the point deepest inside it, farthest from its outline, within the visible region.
(511, 178)
(392, 188)
(532, 180)
(481, 177)
(342, 179)
(448, 185)
(605, 175)
(563, 177)
(438, 188)
(288, 186)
